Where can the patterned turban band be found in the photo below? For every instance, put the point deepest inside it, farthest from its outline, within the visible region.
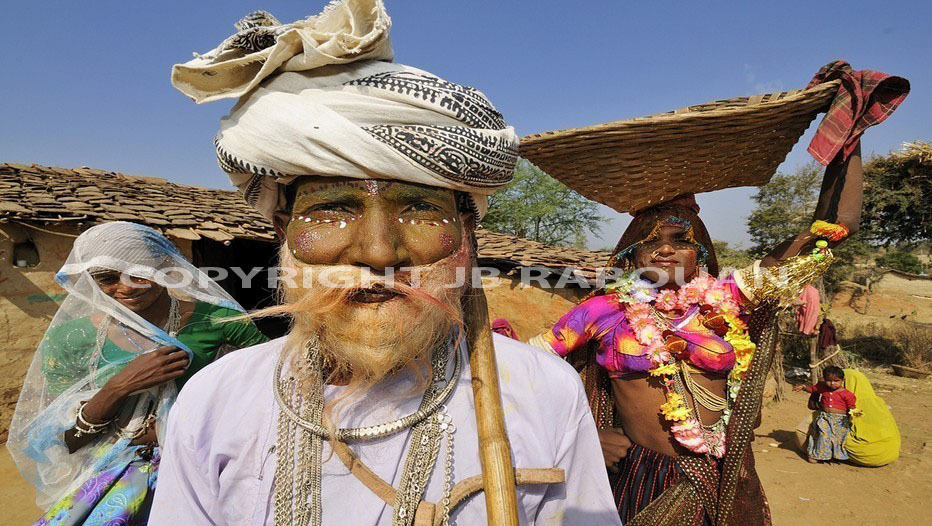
(321, 97)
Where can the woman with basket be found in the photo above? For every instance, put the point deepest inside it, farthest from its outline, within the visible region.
(674, 356)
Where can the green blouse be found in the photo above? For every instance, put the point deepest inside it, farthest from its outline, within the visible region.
(67, 348)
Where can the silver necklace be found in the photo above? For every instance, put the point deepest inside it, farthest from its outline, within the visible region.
(368, 432)
(298, 480)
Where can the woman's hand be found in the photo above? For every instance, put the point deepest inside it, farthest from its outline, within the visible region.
(149, 438)
(799, 387)
(149, 370)
(615, 446)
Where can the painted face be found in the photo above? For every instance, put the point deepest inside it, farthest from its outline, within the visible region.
(669, 250)
(833, 382)
(136, 294)
(372, 223)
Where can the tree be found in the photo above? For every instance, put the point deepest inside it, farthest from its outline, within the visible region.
(538, 207)
(900, 260)
(898, 197)
(784, 207)
(730, 257)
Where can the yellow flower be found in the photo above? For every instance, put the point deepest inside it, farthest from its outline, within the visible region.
(663, 370)
(675, 412)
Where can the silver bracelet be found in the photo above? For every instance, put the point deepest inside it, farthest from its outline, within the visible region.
(88, 428)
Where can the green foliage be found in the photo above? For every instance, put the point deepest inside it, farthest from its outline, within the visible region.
(852, 251)
(784, 207)
(898, 197)
(901, 260)
(538, 207)
(730, 257)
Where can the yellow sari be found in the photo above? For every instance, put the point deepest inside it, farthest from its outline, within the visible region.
(874, 439)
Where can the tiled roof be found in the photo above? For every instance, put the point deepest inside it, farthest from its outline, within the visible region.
(512, 251)
(52, 195)
(42, 194)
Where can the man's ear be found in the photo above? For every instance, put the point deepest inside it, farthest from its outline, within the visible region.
(280, 221)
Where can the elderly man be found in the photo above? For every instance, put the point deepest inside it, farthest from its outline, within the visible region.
(375, 175)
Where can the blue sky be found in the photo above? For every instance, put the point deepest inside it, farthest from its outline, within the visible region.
(88, 83)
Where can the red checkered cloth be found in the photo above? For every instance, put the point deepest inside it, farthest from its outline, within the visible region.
(865, 98)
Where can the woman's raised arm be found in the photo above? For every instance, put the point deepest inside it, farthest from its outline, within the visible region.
(839, 203)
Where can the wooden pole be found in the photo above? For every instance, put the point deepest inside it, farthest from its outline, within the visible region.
(813, 360)
(498, 474)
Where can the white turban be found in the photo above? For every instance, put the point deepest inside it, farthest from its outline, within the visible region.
(320, 97)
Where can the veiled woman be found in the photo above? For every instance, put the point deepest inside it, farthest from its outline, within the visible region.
(138, 321)
(674, 358)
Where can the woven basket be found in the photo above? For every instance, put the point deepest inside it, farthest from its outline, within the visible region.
(630, 165)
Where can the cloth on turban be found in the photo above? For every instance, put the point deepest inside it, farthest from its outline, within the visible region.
(320, 97)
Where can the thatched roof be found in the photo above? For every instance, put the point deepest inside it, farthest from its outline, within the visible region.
(85, 196)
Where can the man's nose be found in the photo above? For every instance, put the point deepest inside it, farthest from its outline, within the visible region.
(380, 243)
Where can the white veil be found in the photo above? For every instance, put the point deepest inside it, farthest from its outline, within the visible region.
(76, 356)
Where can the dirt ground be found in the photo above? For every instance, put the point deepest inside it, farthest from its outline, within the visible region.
(799, 492)
(803, 493)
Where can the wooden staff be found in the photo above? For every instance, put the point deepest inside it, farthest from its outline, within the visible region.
(498, 474)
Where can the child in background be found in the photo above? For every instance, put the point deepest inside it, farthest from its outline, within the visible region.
(833, 423)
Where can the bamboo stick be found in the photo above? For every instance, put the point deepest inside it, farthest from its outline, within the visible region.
(494, 450)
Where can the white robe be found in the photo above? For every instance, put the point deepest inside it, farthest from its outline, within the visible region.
(218, 460)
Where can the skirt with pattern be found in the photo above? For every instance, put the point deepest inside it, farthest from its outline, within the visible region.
(827, 436)
(120, 495)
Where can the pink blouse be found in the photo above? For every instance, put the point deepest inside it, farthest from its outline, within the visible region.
(602, 319)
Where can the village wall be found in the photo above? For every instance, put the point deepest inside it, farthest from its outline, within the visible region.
(531, 309)
(29, 298)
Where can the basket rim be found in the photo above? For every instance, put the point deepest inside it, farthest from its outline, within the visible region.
(677, 117)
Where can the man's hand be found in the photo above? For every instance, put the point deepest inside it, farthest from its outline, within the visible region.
(799, 387)
(615, 446)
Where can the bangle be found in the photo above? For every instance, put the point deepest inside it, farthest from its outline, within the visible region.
(831, 231)
(83, 427)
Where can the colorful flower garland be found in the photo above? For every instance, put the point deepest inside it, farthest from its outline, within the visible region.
(721, 311)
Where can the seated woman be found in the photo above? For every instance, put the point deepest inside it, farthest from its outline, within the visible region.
(874, 439)
(138, 321)
(681, 356)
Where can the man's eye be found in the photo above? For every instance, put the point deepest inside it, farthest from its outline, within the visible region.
(423, 206)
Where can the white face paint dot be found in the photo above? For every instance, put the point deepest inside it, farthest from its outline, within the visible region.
(342, 224)
(400, 220)
(445, 221)
(307, 219)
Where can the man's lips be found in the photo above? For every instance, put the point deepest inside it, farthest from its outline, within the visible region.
(665, 262)
(374, 295)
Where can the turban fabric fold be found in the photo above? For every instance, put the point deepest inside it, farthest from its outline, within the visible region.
(321, 97)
